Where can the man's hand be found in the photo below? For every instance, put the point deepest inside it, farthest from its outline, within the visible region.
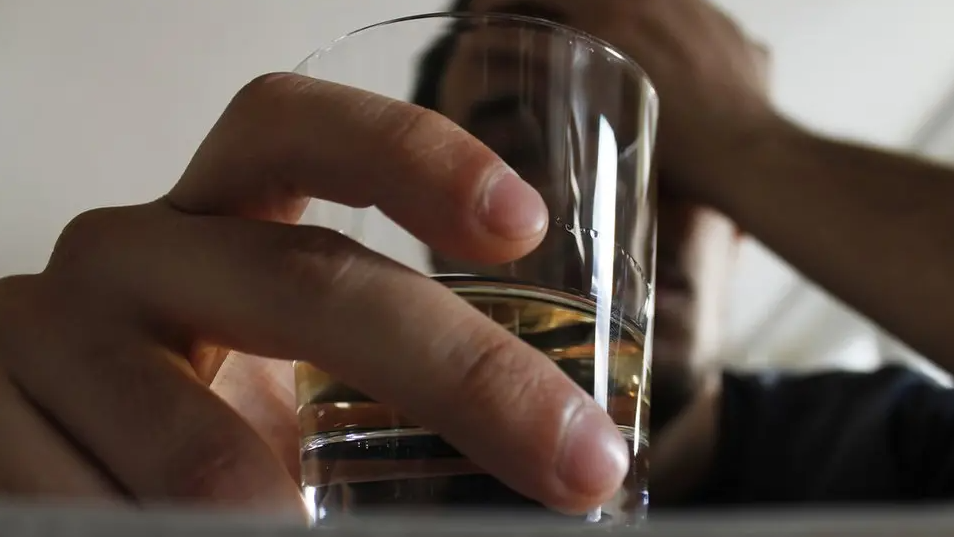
(107, 356)
(712, 80)
(855, 220)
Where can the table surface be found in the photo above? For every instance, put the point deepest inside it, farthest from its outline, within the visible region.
(36, 521)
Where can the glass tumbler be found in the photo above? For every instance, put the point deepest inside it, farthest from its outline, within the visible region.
(576, 119)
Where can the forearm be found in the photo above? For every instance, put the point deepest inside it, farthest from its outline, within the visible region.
(875, 229)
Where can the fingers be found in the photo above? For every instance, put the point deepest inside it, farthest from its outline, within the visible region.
(36, 461)
(304, 293)
(262, 391)
(286, 137)
(164, 436)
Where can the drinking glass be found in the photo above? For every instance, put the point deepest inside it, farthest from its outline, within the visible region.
(576, 119)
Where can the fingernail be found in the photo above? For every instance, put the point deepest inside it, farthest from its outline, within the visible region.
(513, 209)
(595, 458)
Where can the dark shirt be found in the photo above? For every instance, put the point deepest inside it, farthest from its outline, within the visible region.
(833, 438)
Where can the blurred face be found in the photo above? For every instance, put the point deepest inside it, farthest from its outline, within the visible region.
(696, 246)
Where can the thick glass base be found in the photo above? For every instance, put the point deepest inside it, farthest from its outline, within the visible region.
(412, 472)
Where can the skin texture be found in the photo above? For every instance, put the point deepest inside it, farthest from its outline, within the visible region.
(139, 306)
(107, 357)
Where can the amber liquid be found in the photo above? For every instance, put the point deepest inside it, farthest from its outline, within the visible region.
(360, 457)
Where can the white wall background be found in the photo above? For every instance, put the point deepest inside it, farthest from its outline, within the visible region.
(103, 101)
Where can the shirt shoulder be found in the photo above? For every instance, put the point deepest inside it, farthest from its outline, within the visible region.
(834, 437)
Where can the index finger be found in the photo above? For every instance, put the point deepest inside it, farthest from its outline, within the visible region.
(285, 138)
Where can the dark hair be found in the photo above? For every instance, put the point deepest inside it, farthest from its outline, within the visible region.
(433, 64)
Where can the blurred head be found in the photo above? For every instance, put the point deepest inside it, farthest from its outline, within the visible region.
(696, 246)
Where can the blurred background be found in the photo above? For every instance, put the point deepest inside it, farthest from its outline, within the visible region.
(102, 102)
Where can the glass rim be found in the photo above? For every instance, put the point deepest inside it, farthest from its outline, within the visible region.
(636, 70)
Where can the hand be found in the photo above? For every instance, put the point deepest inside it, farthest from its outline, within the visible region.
(106, 357)
(713, 87)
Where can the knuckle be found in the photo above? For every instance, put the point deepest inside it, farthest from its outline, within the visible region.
(86, 223)
(259, 98)
(265, 104)
(339, 268)
(496, 373)
(84, 237)
(410, 122)
(265, 87)
(324, 263)
(418, 133)
(98, 252)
